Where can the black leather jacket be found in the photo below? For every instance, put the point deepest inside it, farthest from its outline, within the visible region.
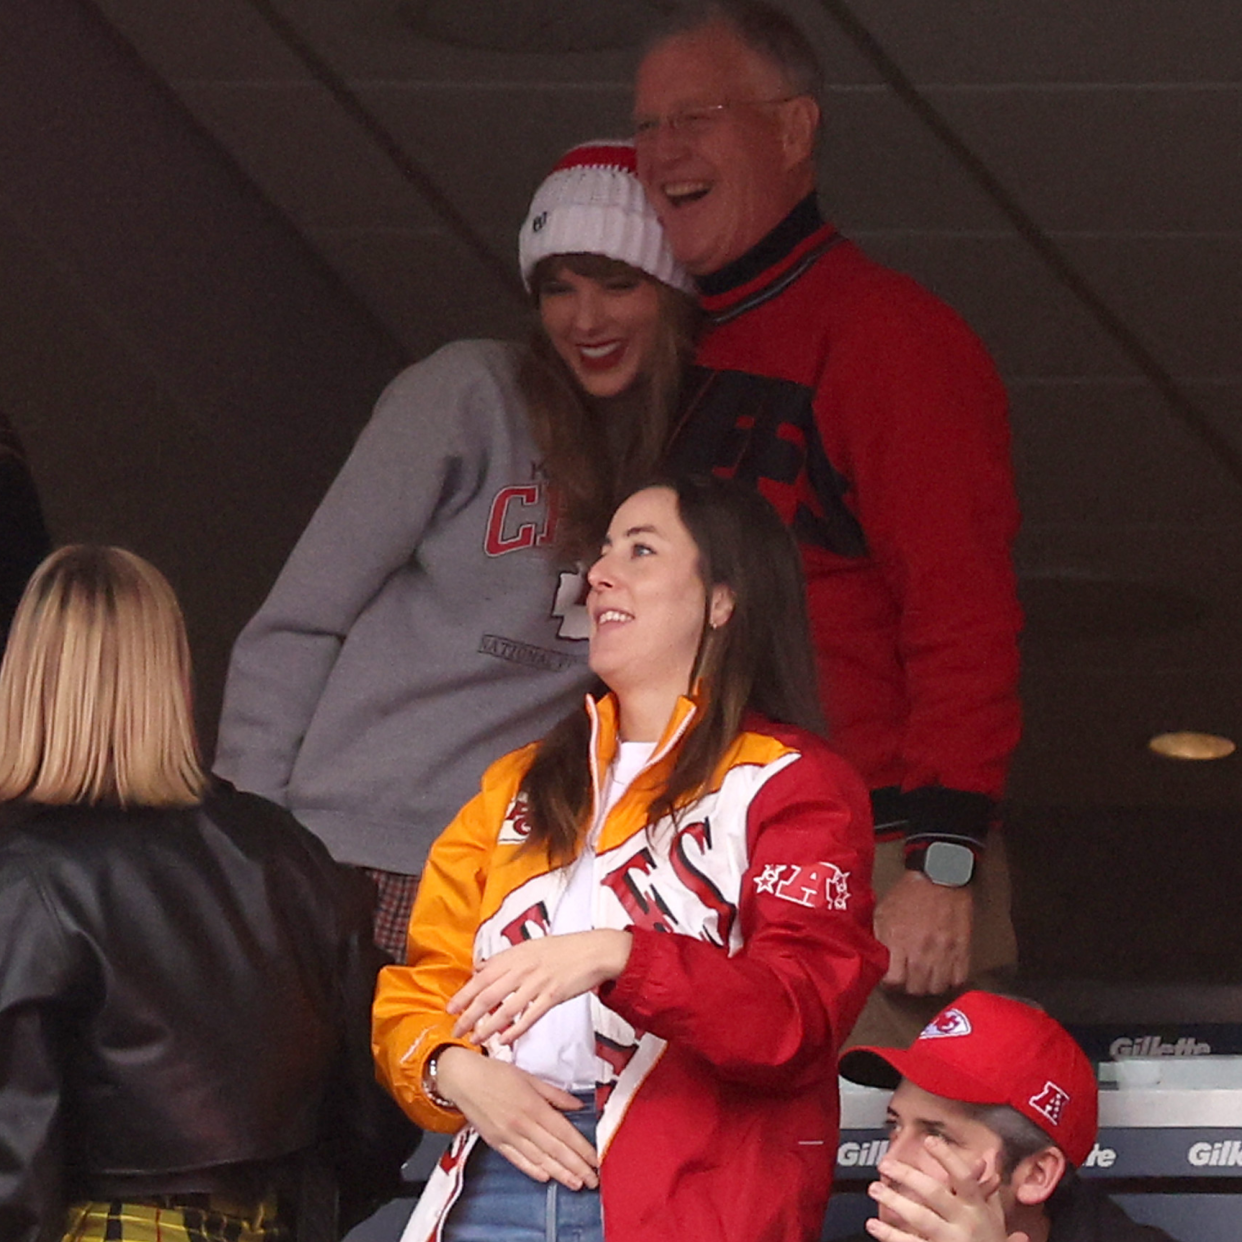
(184, 1008)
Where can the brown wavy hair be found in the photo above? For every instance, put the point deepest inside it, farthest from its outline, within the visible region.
(760, 660)
(596, 452)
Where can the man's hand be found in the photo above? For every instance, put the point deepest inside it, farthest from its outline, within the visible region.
(514, 989)
(967, 1208)
(926, 929)
(520, 1116)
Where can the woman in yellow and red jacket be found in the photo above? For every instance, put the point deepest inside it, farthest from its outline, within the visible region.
(656, 923)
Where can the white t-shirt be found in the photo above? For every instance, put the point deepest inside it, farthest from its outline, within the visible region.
(560, 1047)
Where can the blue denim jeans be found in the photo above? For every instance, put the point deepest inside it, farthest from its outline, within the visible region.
(501, 1204)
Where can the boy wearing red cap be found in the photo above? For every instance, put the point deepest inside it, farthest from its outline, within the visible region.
(993, 1108)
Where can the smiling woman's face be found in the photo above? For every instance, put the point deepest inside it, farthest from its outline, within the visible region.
(604, 328)
(647, 603)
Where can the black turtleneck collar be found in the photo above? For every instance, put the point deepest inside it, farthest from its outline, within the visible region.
(794, 228)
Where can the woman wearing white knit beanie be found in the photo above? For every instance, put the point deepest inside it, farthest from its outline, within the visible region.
(603, 372)
(430, 617)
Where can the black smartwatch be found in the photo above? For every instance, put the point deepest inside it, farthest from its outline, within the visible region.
(945, 863)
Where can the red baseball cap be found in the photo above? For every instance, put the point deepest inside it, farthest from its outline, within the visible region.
(987, 1049)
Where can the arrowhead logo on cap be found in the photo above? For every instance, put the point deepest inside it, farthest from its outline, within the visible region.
(946, 1025)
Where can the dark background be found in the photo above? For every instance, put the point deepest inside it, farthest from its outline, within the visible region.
(225, 224)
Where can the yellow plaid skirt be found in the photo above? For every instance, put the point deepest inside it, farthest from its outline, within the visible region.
(176, 1218)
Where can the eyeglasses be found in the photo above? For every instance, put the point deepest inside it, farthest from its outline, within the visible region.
(696, 120)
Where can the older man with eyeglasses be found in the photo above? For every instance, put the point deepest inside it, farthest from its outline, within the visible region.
(871, 416)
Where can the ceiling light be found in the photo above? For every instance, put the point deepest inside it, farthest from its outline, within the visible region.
(1187, 745)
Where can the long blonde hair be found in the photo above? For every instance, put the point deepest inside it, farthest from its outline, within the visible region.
(95, 687)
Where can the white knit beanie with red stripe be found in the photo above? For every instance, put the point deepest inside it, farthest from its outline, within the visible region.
(593, 203)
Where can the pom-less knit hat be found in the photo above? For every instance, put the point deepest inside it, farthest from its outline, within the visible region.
(986, 1049)
(593, 203)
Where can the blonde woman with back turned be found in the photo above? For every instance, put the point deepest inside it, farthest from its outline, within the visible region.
(184, 972)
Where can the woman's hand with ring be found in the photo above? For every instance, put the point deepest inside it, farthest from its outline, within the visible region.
(510, 992)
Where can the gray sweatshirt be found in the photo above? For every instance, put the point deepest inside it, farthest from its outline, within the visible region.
(419, 629)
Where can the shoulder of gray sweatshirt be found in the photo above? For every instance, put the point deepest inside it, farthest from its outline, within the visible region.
(419, 629)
